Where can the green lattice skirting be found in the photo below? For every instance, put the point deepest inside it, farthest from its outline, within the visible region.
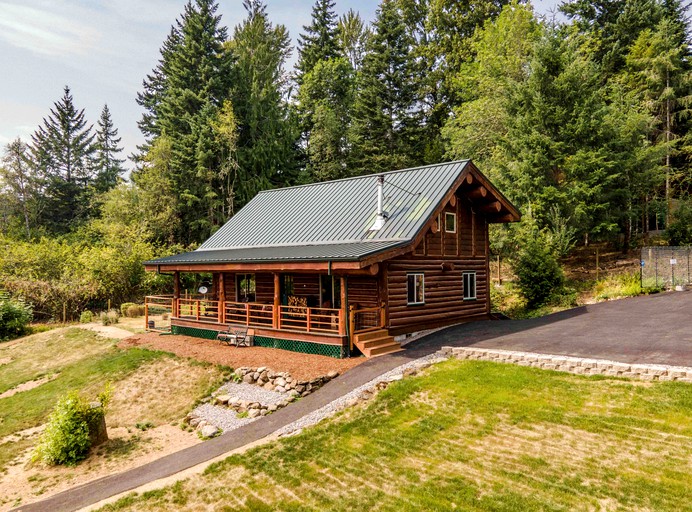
(304, 347)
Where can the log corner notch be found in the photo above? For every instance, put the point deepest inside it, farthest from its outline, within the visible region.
(486, 199)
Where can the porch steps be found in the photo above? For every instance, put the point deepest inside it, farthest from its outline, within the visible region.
(376, 343)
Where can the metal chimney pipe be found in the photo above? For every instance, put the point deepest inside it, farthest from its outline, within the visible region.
(381, 216)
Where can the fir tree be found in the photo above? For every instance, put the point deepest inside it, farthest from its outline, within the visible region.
(352, 35)
(267, 133)
(108, 165)
(386, 117)
(63, 151)
(319, 41)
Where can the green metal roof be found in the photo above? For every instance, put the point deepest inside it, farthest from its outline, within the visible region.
(329, 220)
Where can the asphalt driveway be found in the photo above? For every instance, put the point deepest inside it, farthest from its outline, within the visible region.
(653, 329)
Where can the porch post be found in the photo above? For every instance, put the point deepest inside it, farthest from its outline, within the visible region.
(222, 299)
(276, 313)
(343, 312)
(176, 293)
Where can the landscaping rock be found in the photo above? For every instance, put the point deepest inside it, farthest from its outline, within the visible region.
(222, 399)
(253, 413)
(209, 431)
(332, 375)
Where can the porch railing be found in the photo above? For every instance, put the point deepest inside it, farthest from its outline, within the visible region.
(366, 319)
(248, 313)
(324, 320)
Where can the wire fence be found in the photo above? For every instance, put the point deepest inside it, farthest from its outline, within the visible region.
(666, 267)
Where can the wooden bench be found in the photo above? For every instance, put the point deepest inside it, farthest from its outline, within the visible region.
(235, 335)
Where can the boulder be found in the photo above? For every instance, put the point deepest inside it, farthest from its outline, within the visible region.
(280, 381)
(262, 369)
(247, 379)
(209, 431)
(253, 413)
(194, 422)
(332, 375)
(280, 389)
(269, 386)
(272, 407)
(222, 399)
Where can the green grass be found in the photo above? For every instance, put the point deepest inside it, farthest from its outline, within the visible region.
(468, 436)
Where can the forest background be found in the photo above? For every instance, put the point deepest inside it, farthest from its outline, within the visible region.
(582, 123)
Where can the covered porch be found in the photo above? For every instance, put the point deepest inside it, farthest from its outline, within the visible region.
(316, 313)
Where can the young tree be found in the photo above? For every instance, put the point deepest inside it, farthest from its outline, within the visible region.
(108, 165)
(63, 150)
(21, 183)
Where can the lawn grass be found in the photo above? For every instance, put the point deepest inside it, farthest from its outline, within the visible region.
(468, 435)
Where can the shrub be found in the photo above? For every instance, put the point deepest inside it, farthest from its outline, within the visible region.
(622, 285)
(125, 306)
(86, 317)
(109, 317)
(15, 315)
(68, 434)
(539, 272)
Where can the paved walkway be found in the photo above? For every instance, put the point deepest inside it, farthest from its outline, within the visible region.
(654, 329)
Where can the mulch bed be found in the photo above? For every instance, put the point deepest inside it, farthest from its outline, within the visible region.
(300, 366)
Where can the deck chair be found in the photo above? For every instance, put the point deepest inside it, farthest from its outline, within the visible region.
(235, 335)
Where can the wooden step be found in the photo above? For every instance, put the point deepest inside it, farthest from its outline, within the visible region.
(376, 343)
(371, 335)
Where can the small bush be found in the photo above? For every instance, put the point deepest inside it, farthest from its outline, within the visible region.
(125, 306)
(67, 436)
(85, 317)
(109, 317)
(539, 273)
(15, 315)
(144, 425)
(135, 311)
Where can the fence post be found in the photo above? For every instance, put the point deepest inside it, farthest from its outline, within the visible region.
(309, 318)
(146, 315)
(247, 313)
(197, 304)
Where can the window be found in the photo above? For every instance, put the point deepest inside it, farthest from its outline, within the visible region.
(415, 284)
(450, 222)
(245, 287)
(469, 285)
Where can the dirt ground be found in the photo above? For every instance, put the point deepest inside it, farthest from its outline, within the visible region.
(300, 366)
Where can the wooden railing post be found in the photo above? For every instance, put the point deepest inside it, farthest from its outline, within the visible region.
(308, 318)
(382, 316)
(197, 304)
(342, 322)
(276, 311)
(146, 314)
(351, 324)
(247, 313)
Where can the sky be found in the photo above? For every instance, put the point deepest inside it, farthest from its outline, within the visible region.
(103, 49)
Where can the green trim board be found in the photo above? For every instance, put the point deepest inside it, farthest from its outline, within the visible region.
(304, 347)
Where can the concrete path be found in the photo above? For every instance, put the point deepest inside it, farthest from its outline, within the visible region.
(653, 329)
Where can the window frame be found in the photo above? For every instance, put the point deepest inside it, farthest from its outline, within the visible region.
(416, 287)
(453, 216)
(469, 273)
(248, 277)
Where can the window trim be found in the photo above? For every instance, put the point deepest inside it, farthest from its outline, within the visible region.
(415, 303)
(453, 216)
(463, 284)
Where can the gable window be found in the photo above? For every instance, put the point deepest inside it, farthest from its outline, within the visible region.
(469, 285)
(245, 287)
(450, 222)
(415, 289)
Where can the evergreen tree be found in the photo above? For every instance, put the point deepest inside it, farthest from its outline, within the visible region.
(63, 151)
(182, 97)
(319, 41)
(386, 119)
(108, 165)
(267, 133)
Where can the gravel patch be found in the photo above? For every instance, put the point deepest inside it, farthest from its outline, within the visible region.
(340, 403)
(251, 393)
(221, 417)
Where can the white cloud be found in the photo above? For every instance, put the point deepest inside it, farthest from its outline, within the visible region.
(44, 31)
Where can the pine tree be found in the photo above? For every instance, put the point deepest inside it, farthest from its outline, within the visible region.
(386, 119)
(267, 133)
(108, 165)
(318, 43)
(63, 150)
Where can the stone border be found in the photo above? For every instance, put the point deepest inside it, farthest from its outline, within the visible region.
(576, 365)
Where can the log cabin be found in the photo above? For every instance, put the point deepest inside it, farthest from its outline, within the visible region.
(345, 267)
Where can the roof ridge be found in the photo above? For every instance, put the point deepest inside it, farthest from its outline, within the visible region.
(304, 244)
(350, 178)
